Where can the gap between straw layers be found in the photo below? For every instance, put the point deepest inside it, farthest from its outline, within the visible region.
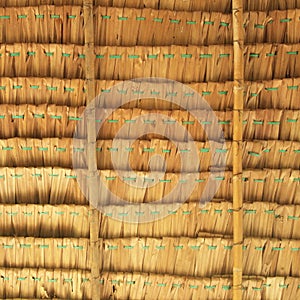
(188, 5)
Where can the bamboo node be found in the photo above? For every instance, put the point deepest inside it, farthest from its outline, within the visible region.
(238, 244)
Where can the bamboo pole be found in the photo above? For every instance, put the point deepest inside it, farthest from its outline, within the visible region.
(91, 141)
(238, 89)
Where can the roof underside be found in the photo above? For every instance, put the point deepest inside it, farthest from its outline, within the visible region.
(46, 250)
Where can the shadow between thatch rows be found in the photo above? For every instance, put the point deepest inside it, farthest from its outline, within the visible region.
(189, 5)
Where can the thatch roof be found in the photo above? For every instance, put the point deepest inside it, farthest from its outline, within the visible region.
(54, 243)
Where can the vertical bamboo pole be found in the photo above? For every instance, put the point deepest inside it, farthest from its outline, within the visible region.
(91, 141)
(238, 50)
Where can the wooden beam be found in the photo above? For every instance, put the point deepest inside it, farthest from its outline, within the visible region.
(238, 49)
(91, 142)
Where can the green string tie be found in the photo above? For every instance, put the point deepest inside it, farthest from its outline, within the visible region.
(205, 55)
(159, 20)
(195, 247)
(259, 248)
(160, 247)
(193, 286)
(260, 26)
(174, 21)
(128, 247)
(186, 55)
(13, 54)
(115, 56)
(210, 287)
(152, 56)
(112, 247)
(224, 24)
(285, 20)
(161, 284)
(212, 247)
(293, 87)
(52, 88)
(228, 247)
(277, 248)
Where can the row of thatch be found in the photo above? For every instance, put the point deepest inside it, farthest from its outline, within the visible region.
(59, 186)
(65, 152)
(183, 256)
(210, 63)
(61, 121)
(45, 283)
(275, 94)
(75, 284)
(127, 27)
(261, 219)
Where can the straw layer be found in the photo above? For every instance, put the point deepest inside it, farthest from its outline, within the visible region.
(265, 220)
